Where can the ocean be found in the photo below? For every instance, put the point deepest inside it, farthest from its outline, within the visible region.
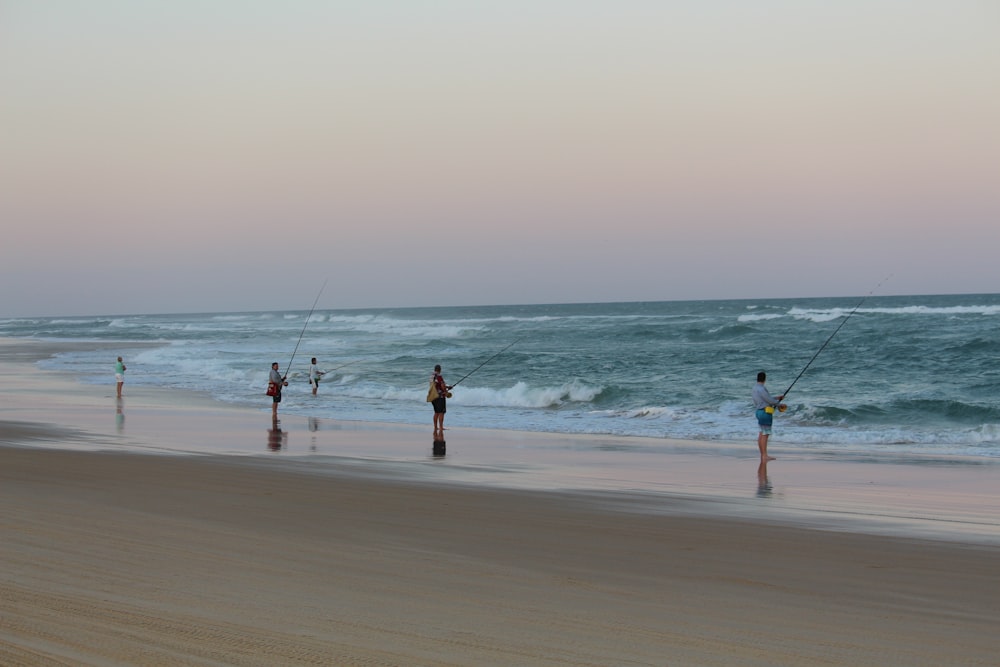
(913, 375)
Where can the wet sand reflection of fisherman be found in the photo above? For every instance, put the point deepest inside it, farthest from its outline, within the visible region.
(439, 448)
(313, 428)
(276, 438)
(764, 488)
(120, 414)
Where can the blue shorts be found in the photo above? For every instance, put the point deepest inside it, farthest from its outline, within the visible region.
(765, 420)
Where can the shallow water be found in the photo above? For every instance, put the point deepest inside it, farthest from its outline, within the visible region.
(904, 375)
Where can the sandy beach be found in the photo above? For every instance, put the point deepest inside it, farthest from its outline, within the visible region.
(117, 550)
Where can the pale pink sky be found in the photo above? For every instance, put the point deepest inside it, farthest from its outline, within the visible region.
(232, 155)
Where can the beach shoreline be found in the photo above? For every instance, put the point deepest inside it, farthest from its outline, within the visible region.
(923, 497)
(183, 536)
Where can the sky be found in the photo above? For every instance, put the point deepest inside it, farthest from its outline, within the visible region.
(235, 155)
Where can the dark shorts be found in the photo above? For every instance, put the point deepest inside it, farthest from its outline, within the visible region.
(440, 405)
(765, 419)
(277, 397)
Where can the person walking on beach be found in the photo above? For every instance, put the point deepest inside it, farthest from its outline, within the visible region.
(278, 381)
(314, 375)
(120, 375)
(436, 396)
(764, 403)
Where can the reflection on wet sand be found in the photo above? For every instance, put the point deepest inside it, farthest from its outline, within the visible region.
(120, 414)
(276, 438)
(764, 488)
(438, 448)
(313, 428)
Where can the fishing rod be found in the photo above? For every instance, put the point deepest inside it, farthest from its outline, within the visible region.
(289, 366)
(827, 342)
(486, 362)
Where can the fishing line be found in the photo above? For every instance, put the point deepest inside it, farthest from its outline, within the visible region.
(337, 368)
(486, 362)
(289, 366)
(821, 347)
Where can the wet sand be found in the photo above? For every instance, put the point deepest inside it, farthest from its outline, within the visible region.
(142, 556)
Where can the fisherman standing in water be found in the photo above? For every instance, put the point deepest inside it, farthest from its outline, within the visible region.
(764, 403)
(437, 395)
(314, 375)
(278, 381)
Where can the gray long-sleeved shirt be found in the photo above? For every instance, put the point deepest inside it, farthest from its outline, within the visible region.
(761, 397)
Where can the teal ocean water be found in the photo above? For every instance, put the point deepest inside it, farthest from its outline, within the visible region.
(904, 375)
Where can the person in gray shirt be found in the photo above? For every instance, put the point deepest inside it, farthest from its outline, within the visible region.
(764, 404)
(278, 381)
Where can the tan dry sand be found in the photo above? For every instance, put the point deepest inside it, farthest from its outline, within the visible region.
(141, 559)
(130, 559)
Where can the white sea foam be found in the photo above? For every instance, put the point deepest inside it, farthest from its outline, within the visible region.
(827, 314)
(647, 412)
(756, 317)
(75, 322)
(521, 395)
(378, 325)
(240, 317)
(818, 315)
(935, 310)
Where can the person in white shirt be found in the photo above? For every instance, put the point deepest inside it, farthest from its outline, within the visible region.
(314, 375)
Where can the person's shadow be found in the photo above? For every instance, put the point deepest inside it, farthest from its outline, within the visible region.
(276, 438)
(764, 488)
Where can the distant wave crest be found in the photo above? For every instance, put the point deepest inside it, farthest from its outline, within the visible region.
(827, 314)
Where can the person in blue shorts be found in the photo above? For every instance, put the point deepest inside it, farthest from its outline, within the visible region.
(764, 404)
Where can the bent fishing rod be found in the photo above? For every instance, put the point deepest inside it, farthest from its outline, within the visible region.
(827, 342)
(289, 366)
(486, 362)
